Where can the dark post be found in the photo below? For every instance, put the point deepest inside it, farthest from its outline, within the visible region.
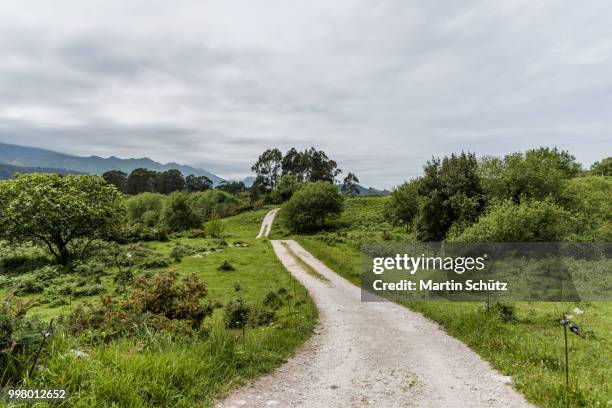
(45, 334)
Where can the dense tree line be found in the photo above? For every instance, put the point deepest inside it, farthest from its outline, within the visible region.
(535, 195)
(148, 181)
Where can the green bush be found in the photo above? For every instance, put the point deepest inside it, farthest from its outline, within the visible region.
(236, 313)
(528, 221)
(285, 188)
(163, 303)
(178, 214)
(403, 205)
(312, 206)
(215, 227)
(20, 338)
(88, 290)
(145, 208)
(226, 266)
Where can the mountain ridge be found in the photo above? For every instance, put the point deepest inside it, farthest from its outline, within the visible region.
(25, 156)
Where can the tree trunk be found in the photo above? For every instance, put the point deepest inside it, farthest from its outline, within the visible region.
(62, 256)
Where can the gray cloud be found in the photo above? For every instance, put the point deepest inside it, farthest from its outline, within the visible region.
(380, 86)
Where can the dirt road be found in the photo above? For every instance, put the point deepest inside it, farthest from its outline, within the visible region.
(372, 355)
(266, 224)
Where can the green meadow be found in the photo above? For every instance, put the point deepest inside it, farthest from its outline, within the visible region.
(158, 368)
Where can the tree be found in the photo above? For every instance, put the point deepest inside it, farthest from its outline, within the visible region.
(349, 185)
(602, 168)
(57, 211)
(403, 204)
(197, 183)
(169, 181)
(178, 214)
(141, 181)
(285, 188)
(533, 175)
(232, 187)
(117, 178)
(268, 167)
(259, 189)
(529, 221)
(311, 206)
(295, 164)
(449, 193)
(319, 166)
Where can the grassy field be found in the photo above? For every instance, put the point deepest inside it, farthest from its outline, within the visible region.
(175, 371)
(529, 348)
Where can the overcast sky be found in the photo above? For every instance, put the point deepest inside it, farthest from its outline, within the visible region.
(381, 86)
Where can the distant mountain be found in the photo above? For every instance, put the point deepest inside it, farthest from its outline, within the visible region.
(7, 171)
(363, 191)
(34, 157)
(248, 181)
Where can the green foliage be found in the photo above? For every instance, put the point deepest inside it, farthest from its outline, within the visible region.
(145, 209)
(268, 167)
(535, 174)
(215, 227)
(403, 205)
(163, 302)
(178, 214)
(209, 203)
(56, 211)
(448, 193)
(311, 207)
(117, 178)
(226, 266)
(236, 313)
(602, 168)
(529, 221)
(589, 197)
(197, 183)
(287, 185)
(20, 337)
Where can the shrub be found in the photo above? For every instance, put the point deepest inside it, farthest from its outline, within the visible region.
(285, 188)
(260, 316)
(91, 268)
(178, 252)
(145, 209)
(88, 290)
(272, 300)
(164, 303)
(20, 338)
(528, 221)
(236, 313)
(403, 204)
(215, 227)
(35, 281)
(155, 262)
(178, 215)
(226, 266)
(311, 206)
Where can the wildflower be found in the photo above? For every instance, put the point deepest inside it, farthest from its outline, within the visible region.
(578, 310)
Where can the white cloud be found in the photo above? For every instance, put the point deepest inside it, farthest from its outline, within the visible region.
(380, 86)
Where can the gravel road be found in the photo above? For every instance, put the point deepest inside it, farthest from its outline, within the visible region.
(266, 224)
(372, 355)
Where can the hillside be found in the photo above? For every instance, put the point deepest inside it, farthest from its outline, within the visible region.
(33, 157)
